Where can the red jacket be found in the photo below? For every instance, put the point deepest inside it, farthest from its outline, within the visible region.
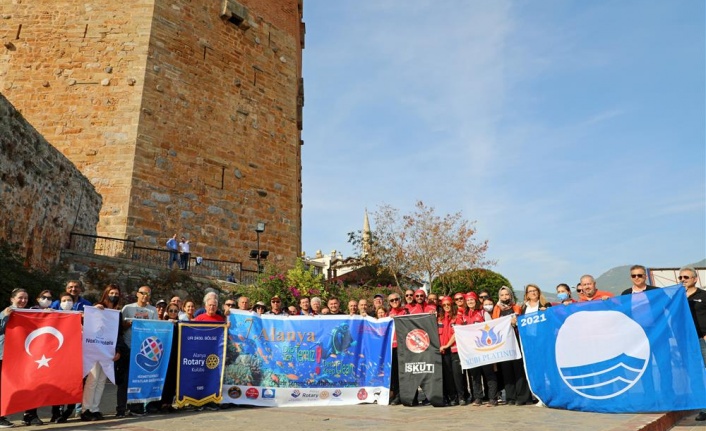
(421, 308)
(401, 311)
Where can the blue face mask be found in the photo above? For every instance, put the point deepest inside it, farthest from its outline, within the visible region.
(563, 296)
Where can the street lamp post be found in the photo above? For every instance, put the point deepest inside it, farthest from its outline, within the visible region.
(258, 254)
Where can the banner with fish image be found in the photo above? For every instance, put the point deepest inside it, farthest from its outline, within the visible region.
(151, 346)
(307, 360)
(486, 343)
(629, 354)
(200, 363)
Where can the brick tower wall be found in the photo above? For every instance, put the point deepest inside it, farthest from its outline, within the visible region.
(185, 114)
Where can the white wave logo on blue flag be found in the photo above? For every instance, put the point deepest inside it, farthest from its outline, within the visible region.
(628, 354)
(608, 371)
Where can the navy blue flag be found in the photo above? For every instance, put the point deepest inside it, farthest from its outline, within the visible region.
(202, 351)
(629, 354)
(149, 359)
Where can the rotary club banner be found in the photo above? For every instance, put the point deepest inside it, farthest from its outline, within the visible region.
(629, 354)
(307, 360)
(151, 345)
(200, 367)
(486, 343)
(419, 358)
(43, 348)
(100, 336)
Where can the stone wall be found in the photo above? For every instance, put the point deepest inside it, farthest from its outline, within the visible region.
(185, 115)
(44, 197)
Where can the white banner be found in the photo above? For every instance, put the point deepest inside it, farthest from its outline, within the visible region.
(100, 336)
(486, 343)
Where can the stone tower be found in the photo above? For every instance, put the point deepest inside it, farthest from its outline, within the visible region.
(186, 115)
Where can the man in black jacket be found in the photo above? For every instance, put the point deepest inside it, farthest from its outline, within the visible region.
(638, 274)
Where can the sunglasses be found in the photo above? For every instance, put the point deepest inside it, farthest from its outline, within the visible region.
(394, 299)
(579, 290)
(419, 296)
(172, 311)
(144, 293)
(637, 275)
(681, 277)
(229, 305)
(446, 304)
(276, 301)
(459, 299)
(49, 297)
(483, 297)
(408, 296)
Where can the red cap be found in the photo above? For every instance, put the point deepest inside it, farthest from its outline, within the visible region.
(472, 295)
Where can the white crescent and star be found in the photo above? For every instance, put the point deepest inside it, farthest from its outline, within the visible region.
(44, 362)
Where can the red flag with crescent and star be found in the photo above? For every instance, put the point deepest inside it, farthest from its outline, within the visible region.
(42, 363)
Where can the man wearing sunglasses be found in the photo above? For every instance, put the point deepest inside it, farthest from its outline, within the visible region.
(396, 309)
(696, 297)
(276, 306)
(140, 309)
(638, 274)
(420, 304)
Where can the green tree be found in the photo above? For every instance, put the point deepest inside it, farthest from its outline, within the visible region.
(470, 280)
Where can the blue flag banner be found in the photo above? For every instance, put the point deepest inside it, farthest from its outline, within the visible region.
(305, 361)
(200, 363)
(629, 354)
(150, 348)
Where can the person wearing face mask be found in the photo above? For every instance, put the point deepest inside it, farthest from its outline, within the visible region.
(111, 299)
(44, 300)
(74, 288)
(61, 413)
(563, 293)
(483, 380)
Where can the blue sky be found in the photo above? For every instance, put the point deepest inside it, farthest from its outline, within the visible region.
(573, 132)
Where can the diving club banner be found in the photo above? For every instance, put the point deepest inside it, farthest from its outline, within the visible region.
(419, 359)
(200, 363)
(628, 354)
(151, 346)
(486, 343)
(305, 361)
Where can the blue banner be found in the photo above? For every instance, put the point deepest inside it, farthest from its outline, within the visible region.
(629, 354)
(319, 360)
(150, 348)
(200, 363)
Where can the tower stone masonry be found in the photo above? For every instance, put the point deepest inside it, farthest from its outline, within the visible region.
(185, 115)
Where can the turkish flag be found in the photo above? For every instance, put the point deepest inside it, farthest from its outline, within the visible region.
(42, 364)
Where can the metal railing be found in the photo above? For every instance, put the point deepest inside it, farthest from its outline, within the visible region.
(155, 257)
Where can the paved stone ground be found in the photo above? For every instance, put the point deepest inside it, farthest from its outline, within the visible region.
(525, 418)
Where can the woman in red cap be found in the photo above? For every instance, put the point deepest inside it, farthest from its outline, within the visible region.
(450, 362)
(476, 314)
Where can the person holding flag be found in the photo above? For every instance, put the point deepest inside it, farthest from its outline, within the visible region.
(697, 305)
(18, 299)
(141, 309)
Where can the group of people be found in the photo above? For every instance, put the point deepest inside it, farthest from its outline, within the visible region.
(475, 386)
(179, 252)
